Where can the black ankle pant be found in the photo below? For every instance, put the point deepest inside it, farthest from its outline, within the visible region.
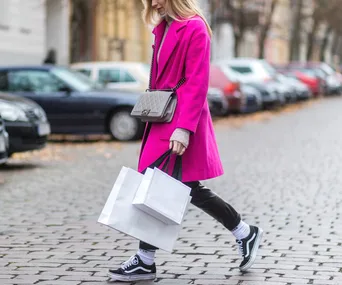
(210, 203)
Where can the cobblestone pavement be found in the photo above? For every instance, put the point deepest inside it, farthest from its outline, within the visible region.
(283, 173)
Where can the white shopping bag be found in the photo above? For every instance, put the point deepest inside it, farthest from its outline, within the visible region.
(119, 213)
(163, 197)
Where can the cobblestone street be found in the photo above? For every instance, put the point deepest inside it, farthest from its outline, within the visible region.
(283, 173)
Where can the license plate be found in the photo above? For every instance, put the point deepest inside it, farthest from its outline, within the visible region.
(44, 129)
(2, 143)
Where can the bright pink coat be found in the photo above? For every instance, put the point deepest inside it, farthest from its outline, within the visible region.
(186, 51)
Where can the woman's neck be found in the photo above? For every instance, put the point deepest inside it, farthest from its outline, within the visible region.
(168, 20)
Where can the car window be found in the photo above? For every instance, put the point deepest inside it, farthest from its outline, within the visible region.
(109, 75)
(77, 81)
(127, 77)
(241, 69)
(37, 81)
(86, 72)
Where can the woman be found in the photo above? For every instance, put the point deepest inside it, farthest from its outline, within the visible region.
(182, 49)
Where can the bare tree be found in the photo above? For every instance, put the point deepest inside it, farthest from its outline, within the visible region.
(241, 17)
(295, 41)
(325, 42)
(264, 28)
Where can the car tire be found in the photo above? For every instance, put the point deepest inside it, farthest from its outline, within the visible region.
(123, 127)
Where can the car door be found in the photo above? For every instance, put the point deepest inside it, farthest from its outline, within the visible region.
(49, 92)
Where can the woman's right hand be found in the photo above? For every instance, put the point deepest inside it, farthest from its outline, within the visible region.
(177, 147)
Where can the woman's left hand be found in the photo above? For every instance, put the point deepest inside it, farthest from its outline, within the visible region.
(177, 147)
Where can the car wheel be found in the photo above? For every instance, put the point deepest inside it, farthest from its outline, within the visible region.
(123, 127)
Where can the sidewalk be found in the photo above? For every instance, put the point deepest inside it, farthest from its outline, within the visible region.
(283, 174)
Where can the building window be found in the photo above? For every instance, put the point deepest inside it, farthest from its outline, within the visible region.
(4, 11)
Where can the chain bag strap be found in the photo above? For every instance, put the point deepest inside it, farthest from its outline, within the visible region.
(156, 106)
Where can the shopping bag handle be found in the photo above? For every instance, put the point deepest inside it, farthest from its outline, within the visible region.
(161, 159)
(177, 170)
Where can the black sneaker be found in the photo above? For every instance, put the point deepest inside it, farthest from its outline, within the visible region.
(248, 247)
(133, 270)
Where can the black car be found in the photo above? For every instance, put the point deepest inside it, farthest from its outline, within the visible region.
(218, 103)
(3, 142)
(25, 122)
(73, 103)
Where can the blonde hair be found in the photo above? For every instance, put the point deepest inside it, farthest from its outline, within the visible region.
(175, 9)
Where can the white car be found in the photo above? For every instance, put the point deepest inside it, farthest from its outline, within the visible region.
(117, 75)
(250, 69)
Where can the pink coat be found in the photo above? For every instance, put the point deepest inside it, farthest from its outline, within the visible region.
(186, 51)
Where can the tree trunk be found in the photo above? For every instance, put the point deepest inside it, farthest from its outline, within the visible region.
(265, 28)
(311, 39)
(239, 27)
(295, 37)
(325, 43)
(237, 44)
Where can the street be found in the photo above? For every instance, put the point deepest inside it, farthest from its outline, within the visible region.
(282, 172)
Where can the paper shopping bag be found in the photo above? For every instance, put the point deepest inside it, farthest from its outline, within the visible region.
(120, 214)
(162, 196)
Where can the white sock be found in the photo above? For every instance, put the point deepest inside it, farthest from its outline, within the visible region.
(241, 231)
(147, 256)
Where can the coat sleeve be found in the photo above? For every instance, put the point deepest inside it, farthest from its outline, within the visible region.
(193, 93)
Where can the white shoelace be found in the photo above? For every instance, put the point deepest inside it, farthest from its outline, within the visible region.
(240, 244)
(133, 260)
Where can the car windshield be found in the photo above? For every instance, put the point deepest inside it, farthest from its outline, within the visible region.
(271, 71)
(328, 69)
(74, 79)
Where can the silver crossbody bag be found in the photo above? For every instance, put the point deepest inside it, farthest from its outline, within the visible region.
(157, 106)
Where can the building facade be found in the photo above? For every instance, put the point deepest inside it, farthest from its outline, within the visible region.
(112, 30)
(28, 29)
(22, 31)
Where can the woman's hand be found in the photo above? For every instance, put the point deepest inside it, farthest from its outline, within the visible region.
(177, 147)
(179, 141)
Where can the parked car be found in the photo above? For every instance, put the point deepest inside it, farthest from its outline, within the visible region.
(73, 104)
(314, 78)
(117, 75)
(3, 142)
(333, 78)
(268, 90)
(233, 89)
(252, 69)
(25, 122)
(269, 94)
(253, 102)
(301, 91)
(288, 88)
(218, 104)
(229, 87)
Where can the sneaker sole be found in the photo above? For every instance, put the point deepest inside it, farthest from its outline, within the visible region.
(126, 278)
(249, 264)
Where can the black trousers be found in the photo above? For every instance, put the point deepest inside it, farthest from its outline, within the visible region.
(210, 203)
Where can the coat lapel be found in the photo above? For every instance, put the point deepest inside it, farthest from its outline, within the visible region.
(169, 44)
(158, 31)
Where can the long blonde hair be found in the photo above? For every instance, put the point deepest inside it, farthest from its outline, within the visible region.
(176, 9)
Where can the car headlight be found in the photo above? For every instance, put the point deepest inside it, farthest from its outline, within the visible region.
(42, 114)
(10, 113)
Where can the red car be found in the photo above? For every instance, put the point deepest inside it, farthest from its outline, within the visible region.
(230, 88)
(309, 75)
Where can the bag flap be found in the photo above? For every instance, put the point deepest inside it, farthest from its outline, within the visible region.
(154, 102)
